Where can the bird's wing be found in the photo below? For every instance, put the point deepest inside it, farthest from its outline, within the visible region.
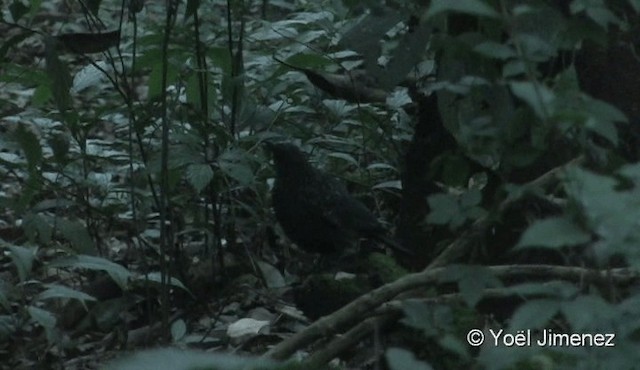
(347, 212)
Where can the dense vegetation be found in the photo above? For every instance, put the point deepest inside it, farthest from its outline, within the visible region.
(498, 140)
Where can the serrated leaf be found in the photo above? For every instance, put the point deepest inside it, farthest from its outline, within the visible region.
(586, 312)
(474, 281)
(453, 343)
(199, 176)
(553, 232)
(534, 314)
(404, 57)
(417, 316)
(364, 37)
(232, 164)
(401, 359)
(444, 208)
(470, 198)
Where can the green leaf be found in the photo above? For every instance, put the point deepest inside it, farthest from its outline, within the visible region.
(37, 228)
(364, 37)
(308, 61)
(588, 312)
(76, 233)
(60, 291)
(444, 209)
(392, 184)
(452, 343)
(538, 97)
(58, 74)
(559, 289)
(421, 316)
(18, 10)
(199, 176)
(59, 144)
(631, 171)
(23, 260)
(407, 54)
(534, 314)
(118, 273)
(178, 330)
(156, 277)
(155, 78)
(471, 7)
(495, 50)
(472, 281)
(345, 157)
(606, 129)
(605, 111)
(30, 145)
(535, 48)
(603, 16)
(47, 320)
(12, 41)
(553, 232)
(42, 317)
(470, 198)
(271, 275)
(401, 359)
(608, 211)
(232, 163)
(514, 68)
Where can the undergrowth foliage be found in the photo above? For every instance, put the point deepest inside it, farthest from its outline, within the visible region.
(131, 160)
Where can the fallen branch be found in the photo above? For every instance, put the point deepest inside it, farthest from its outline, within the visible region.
(365, 305)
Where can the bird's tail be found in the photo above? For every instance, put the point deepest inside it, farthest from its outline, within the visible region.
(393, 244)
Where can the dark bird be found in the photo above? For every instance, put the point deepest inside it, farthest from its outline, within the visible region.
(315, 210)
